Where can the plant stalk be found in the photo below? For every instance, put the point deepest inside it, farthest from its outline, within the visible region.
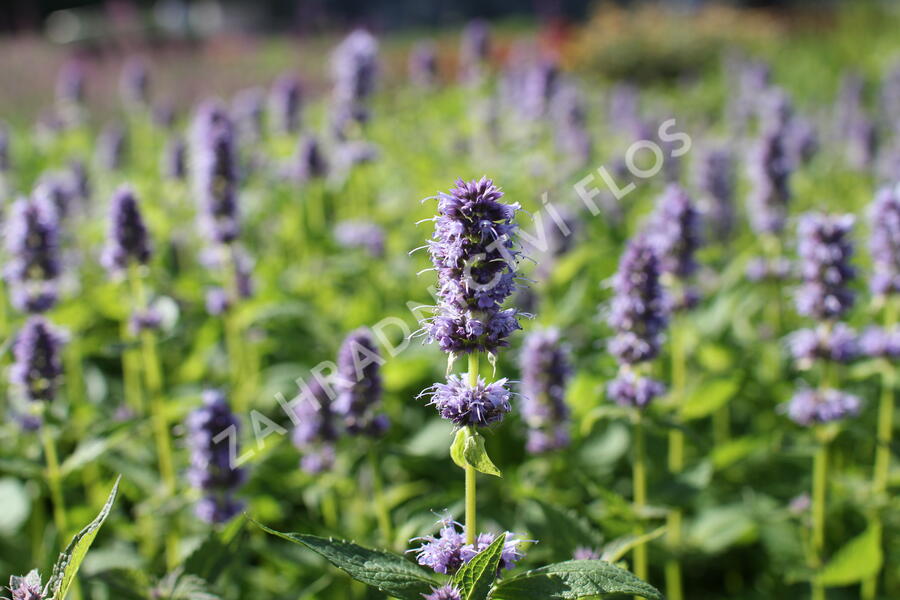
(676, 465)
(471, 504)
(639, 481)
(820, 475)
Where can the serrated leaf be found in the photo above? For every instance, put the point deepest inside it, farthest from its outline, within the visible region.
(385, 571)
(67, 565)
(468, 450)
(475, 578)
(857, 560)
(614, 551)
(574, 579)
(708, 398)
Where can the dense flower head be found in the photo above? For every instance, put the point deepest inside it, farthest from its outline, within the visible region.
(57, 188)
(354, 67)
(447, 551)
(215, 173)
(310, 161)
(884, 242)
(475, 253)
(174, 160)
(480, 405)
(676, 232)
(825, 250)
(32, 241)
(358, 384)
(715, 179)
(639, 309)
(770, 171)
(112, 147)
(632, 390)
(813, 407)
(210, 469)
(79, 180)
(361, 234)
(316, 427)
(285, 103)
(878, 342)
(127, 241)
(26, 588)
(546, 367)
(838, 343)
(445, 592)
(423, 65)
(37, 364)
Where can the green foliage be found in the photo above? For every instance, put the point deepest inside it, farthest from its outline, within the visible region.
(468, 450)
(857, 560)
(475, 578)
(574, 579)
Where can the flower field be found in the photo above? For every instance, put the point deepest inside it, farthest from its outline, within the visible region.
(501, 311)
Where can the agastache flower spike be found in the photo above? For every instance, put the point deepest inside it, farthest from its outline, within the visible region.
(285, 101)
(423, 65)
(884, 242)
(546, 368)
(475, 252)
(825, 253)
(815, 407)
(112, 147)
(215, 175)
(316, 430)
(211, 470)
(475, 50)
(134, 83)
(445, 592)
(715, 179)
(32, 240)
(480, 405)
(37, 365)
(128, 241)
(770, 170)
(358, 384)
(447, 551)
(354, 67)
(310, 162)
(676, 235)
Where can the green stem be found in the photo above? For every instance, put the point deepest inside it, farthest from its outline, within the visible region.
(676, 465)
(54, 483)
(381, 509)
(233, 336)
(131, 376)
(820, 475)
(883, 441)
(471, 504)
(154, 382)
(639, 481)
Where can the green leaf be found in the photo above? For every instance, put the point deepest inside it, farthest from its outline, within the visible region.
(468, 450)
(857, 560)
(708, 398)
(563, 529)
(475, 578)
(67, 565)
(218, 550)
(614, 551)
(385, 571)
(574, 579)
(16, 505)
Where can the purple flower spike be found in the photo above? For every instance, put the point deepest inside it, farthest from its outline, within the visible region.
(715, 179)
(884, 242)
(479, 406)
(639, 310)
(546, 368)
(423, 65)
(474, 50)
(676, 232)
(770, 171)
(358, 384)
(174, 161)
(134, 83)
(876, 342)
(310, 161)
(217, 301)
(32, 240)
(128, 240)
(813, 407)
(112, 147)
(37, 366)
(215, 173)
(825, 253)
(445, 592)
(210, 429)
(634, 391)
(447, 552)
(316, 429)
(838, 343)
(285, 102)
(475, 252)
